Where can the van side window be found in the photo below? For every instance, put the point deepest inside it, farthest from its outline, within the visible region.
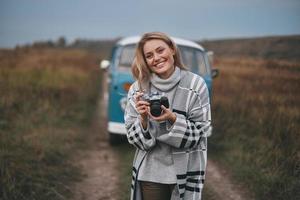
(201, 63)
(188, 58)
(194, 60)
(126, 56)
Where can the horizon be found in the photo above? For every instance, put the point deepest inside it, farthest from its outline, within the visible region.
(24, 23)
(68, 43)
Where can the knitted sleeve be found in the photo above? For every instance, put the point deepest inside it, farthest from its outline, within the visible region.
(136, 135)
(191, 126)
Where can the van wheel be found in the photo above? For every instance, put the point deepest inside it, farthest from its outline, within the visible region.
(114, 139)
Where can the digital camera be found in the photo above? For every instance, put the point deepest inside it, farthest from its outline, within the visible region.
(156, 100)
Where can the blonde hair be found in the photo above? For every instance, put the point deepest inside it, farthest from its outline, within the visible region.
(140, 69)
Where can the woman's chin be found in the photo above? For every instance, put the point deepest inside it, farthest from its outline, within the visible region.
(160, 71)
(157, 70)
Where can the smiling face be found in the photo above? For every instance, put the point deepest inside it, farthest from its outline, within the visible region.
(159, 57)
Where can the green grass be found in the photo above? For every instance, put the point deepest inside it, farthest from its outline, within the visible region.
(43, 115)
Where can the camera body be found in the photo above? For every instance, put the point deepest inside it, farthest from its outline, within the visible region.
(156, 100)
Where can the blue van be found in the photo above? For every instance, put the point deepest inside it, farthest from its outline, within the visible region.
(120, 79)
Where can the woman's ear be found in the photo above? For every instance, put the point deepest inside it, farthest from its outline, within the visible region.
(172, 50)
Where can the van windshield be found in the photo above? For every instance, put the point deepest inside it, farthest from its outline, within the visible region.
(126, 57)
(192, 58)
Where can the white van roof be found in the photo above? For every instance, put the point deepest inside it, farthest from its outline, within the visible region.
(178, 41)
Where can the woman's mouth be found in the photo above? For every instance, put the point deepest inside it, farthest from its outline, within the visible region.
(160, 64)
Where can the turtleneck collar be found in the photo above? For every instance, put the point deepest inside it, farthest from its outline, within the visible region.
(166, 84)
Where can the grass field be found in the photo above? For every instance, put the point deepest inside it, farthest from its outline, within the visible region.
(48, 97)
(47, 100)
(256, 117)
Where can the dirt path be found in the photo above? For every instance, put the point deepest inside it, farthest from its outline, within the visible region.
(98, 163)
(220, 184)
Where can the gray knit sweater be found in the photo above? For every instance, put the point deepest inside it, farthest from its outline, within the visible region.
(158, 165)
(187, 138)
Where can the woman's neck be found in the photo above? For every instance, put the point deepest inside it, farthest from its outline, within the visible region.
(168, 83)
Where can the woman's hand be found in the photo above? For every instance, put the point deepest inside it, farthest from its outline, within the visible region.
(143, 109)
(167, 114)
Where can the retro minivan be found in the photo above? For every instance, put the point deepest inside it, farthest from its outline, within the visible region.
(194, 56)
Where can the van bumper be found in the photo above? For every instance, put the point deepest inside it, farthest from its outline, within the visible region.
(116, 128)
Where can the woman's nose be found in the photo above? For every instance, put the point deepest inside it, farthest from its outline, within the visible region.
(156, 57)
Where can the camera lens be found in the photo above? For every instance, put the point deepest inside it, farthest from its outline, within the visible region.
(164, 101)
(155, 108)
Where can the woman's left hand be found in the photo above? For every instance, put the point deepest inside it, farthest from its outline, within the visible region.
(167, 114)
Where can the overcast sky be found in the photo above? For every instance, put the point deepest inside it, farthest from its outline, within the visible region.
(25, 21)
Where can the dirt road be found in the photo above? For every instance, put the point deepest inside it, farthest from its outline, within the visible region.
(99, 164)
(220, 185)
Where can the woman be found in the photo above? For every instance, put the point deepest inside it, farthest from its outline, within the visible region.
(170, 159)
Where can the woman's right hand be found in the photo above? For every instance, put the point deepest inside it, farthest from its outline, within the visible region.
(143, 108)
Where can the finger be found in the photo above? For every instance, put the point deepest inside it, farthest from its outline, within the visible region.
(159, 119)
(142, 109)
(149, 113)
(143, 112)
(162, 117)
(146, 103)
(142, 103)
(164, 108)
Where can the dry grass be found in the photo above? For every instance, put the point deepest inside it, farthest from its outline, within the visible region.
(47, 99)
(257, 121)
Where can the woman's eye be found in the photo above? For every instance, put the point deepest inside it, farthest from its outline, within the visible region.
(160, 50)
(148, 56)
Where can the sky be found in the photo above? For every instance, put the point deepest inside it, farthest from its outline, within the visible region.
(25, 21)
